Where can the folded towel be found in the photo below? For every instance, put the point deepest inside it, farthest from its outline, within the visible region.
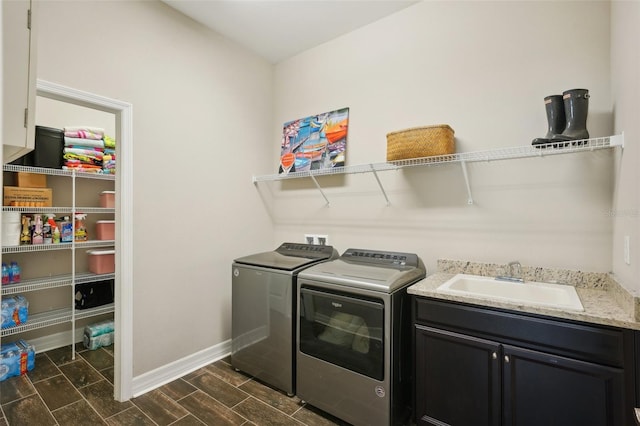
(83, 169)
(83, 158)
(109, 142)
(79, 151)
(89, 129)
(68, 141)
(84, 134)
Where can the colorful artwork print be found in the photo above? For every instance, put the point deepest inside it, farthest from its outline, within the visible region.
(315, 142)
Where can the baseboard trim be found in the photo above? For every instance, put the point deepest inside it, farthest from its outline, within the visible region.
(167, 373)
(56, 340)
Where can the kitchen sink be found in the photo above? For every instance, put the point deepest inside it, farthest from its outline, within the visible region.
(528, 293)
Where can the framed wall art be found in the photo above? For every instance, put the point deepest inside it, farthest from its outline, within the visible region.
(315, 142)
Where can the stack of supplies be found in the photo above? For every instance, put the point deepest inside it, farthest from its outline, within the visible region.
(109, 159)
(98, 334)
(16, 359)
(83, 148)
(89, 150)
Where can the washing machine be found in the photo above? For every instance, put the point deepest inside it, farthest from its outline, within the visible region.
(354, 336)
(263, 305)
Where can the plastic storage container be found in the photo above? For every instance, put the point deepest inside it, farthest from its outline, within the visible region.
(106, 229)
(49, 144)
(108, 199)
(102, 261)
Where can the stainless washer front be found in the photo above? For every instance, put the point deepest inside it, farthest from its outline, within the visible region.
(264, 311)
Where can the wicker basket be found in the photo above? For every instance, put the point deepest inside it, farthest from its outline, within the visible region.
(420, 142)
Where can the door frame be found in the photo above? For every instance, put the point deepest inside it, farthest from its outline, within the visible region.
(123, 111)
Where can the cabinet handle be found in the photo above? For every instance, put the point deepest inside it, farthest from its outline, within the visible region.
(506, 358)
(494, 355)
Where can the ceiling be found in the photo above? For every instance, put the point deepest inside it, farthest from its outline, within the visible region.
(280, 29)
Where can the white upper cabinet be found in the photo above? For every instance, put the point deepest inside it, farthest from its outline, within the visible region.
(18, 78)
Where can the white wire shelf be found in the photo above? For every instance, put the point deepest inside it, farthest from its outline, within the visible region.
(57, 172)
(54, 317)
(52, 282)
(526, 151)
(61, 246)
(61, 210)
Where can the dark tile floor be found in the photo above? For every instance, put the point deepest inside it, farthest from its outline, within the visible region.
(62, 391)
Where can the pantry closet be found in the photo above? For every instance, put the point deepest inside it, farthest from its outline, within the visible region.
(52, 274)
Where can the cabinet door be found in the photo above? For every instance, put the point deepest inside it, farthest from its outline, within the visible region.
(542, 389)
(18, 78)
(458, 379)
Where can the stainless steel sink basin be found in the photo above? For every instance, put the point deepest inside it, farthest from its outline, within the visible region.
(528, 293)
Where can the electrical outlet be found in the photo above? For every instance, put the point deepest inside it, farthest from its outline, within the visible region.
(627, 251)
(317, 239)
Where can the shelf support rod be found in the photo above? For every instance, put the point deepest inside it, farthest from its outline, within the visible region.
(463, 163)
(375, 174)
(313, 178)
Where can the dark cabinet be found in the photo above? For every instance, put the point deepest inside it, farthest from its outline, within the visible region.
(459, 379)
(479, 366)
(542, 389)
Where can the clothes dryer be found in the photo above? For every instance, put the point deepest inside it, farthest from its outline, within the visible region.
(354, 336)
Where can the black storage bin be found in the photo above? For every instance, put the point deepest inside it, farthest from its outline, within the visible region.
(90, 295)
(48, 152)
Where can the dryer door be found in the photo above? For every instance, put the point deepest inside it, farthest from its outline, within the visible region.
(343, 329)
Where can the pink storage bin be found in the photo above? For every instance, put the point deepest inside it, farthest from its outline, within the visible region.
(108, 199)
(106, 229)
(102, 261)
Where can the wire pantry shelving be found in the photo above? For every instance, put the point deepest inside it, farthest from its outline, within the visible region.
(57, 316)
(57, 172)
(58, 246)
(53, 282)
(462, 158)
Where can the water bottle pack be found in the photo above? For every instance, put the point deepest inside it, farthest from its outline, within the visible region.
(16, 359)
(14, 310)
(11, 273)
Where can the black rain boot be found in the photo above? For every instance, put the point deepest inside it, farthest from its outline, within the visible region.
(555, 117)
(576, 107)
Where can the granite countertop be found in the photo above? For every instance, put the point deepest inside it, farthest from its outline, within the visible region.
(604, 300)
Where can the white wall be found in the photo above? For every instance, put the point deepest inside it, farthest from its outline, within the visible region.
(207, 115)
(484, 68)
(201, 108)
(625, 77)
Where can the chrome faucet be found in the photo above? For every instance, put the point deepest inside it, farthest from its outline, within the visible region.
(514, 273)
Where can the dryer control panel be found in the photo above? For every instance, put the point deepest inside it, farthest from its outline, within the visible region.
(388, 258)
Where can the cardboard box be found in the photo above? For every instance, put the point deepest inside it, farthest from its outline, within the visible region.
(31, 180)
(27, 197)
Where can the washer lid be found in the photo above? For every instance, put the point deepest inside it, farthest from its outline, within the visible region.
(290, 256)
(369, 269)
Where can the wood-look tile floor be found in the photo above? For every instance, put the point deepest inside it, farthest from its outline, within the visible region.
(63, 391)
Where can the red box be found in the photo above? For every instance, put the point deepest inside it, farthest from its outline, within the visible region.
(102, 261)
(108, 199)
(106, 229)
